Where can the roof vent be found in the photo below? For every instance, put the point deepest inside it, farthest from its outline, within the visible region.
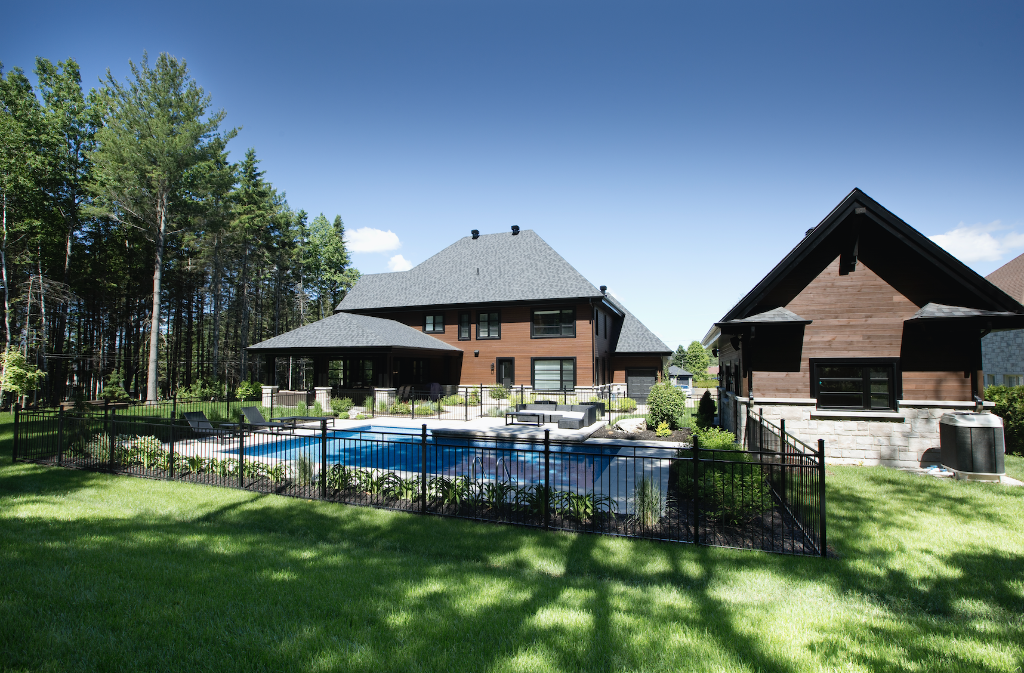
(808, 232)
(515, 229)
(604, 290)
(476, 234)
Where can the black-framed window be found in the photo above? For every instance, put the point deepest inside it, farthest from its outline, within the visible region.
(553, 373)
(464, 326)
(488, 325)
(434, 323)
(597, 323)
(553, 323)
(863, 384)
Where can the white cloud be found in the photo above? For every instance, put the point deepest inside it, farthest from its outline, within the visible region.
(399, 263)
(368, 239)
(976, 242)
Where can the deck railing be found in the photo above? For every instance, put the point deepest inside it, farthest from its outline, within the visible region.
(747, 498)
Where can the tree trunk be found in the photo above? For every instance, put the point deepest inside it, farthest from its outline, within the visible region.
(154, 329)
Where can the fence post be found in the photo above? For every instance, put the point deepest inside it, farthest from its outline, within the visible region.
(170, 464)
(109, 430)
(241, 457)
(60, 435)
(174, 406)
(323, 459)
(423, 469)
(821, 495)
(760, 429)
(783, 461)
(412, 405)
(547, 478)
(696, 490)
(17, 424)
(481, 399)
(465, 391)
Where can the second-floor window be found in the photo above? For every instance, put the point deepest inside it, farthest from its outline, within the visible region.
(464, 326)
(434, 322)
(488, 325)
(559, 322)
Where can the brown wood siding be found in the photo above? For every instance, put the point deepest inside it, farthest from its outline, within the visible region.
(856, 315)
(515, 341)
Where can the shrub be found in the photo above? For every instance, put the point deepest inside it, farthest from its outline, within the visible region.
(452, 401)
(1009, 407)
(369, 403)
(624, 404)
(113, 391)
(474, 397)
(714, 438)
(362, 417)
(305, 470)
(705, 410)
(318, 409)
(664, 404)
(248, 390)
(664, 430)
(203, 389)
(498, 392)
(341, 405)
(425, 408)
(648, 506)
(399, 408)
(301, 408)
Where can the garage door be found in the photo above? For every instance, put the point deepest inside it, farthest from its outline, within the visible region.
(639, 382)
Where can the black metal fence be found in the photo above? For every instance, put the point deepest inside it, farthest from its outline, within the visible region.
(758, 499)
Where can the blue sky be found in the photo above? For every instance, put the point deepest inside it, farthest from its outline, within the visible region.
(672, 151)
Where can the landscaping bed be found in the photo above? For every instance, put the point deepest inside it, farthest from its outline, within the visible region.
(605, 432)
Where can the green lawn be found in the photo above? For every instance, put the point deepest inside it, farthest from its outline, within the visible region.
(114, 573)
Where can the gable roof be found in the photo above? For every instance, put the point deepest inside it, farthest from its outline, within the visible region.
(1010, 278)
(492, 268)
(349, 330)
(778, 315)
(634, 337)
(939, 277)
(674, 370)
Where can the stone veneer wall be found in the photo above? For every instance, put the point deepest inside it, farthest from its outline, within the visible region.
(1003, 353)
(894, 439)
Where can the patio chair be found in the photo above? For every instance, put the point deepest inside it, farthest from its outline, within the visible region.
(254, 417)
(201, 425)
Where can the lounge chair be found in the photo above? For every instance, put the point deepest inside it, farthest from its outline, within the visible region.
(254, 417)
(201, 425)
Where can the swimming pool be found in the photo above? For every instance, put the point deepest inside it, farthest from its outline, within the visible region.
(402, 450)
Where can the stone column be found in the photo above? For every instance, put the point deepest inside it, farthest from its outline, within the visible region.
(323, 396)
(269, 392)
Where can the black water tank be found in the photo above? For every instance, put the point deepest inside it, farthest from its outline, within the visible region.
(972, 442)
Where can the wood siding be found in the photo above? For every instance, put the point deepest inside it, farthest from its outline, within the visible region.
(856, 315)
(515, 341)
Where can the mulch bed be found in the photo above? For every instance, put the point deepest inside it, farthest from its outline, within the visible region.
(682, 435)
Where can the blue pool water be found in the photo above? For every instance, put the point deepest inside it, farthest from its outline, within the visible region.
(401, 449)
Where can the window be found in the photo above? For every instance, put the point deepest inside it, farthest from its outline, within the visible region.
(554, 323)
(434, 323)
(488, 325)
(464, 326)
(990, 380)
(1011, 380)
(554, 373)
(855, 383)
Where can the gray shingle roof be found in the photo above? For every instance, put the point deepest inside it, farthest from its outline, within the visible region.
(634, 336)
(933, 311)
(775, 315)
(494, 267)
(348, 330)
(673, 370)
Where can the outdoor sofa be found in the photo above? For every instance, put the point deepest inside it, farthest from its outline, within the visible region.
(568, 416)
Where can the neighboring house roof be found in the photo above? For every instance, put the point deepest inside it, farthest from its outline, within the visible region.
(1010, 278)
(634, 337)
(673, 370)
(839, 233)
(775, 316)
(492, 268)
(349, 330)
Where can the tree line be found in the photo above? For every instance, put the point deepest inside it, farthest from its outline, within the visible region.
(133, 252)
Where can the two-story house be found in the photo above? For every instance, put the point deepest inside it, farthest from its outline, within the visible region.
(488, 309)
